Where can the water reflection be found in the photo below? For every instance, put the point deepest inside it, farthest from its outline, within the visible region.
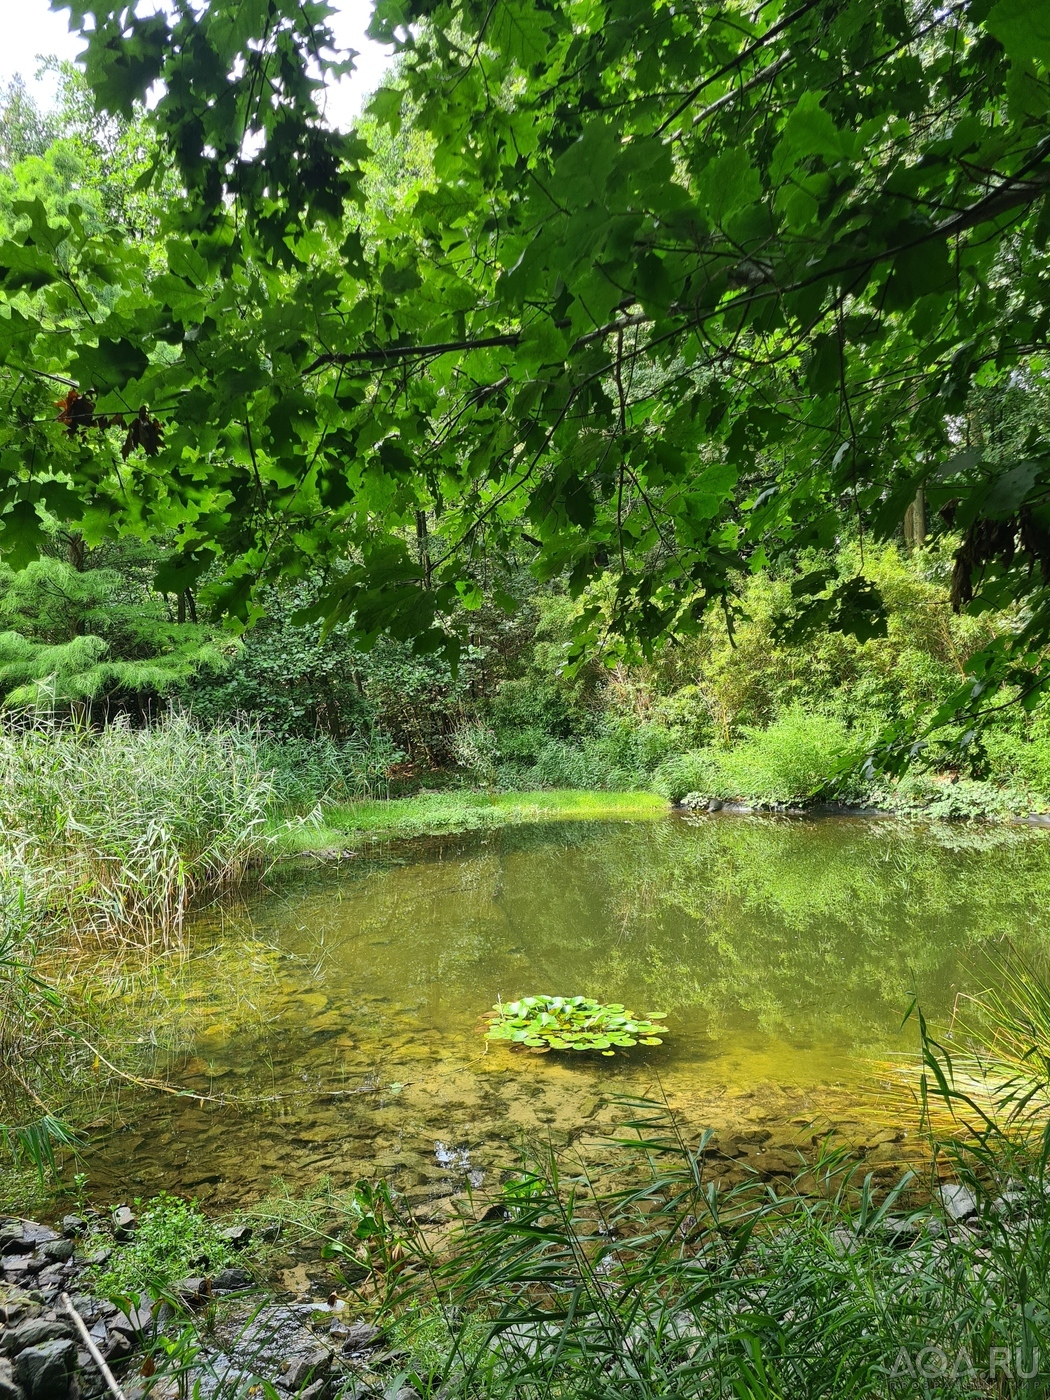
(784, 952)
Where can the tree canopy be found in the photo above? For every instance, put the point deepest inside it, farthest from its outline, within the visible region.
(671, 292)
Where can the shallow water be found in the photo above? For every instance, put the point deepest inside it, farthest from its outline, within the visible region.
(328, 1027)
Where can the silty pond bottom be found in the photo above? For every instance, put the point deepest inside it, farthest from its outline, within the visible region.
(328, 1026)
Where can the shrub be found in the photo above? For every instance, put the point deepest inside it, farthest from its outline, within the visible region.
(1016, 761)
(308, 772)
(684, 773)
(801, 756)
(475, 748)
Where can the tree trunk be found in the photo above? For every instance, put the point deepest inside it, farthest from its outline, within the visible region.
(915, 521)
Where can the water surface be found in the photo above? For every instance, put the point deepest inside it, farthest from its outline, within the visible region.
(328, 1026)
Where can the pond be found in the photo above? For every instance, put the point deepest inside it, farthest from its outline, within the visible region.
(327, 1026)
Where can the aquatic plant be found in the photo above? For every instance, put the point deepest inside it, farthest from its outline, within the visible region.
(545, 1023)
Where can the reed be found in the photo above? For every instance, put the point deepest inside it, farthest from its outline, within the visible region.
(123, 827)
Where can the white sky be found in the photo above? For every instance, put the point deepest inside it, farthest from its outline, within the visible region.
(30, 28)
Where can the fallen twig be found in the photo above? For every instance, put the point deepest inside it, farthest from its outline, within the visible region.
(96, 1355)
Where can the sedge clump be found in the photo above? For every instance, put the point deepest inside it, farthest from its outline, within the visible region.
(543, 1023)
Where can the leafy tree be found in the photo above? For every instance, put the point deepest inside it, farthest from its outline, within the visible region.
(684, 290)
(24, 129)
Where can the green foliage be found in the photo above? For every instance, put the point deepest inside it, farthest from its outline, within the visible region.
(73, 636)
(832, 1284)
(543, 1023)
(306, 773)
(645, 302)
(173, 1239)
(801, 757)
(32, 1015)
(125, 826)
(685, 773)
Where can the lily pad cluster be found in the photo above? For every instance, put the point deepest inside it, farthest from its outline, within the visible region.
(544, 1023)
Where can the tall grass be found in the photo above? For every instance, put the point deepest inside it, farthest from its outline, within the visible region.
(654, 1283)
(123, 827)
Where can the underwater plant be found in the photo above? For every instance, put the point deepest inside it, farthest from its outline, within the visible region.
(545, 1023)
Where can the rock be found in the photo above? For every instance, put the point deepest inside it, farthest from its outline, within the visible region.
(118, 1347)
(44, 1372)
(98, 1257)
(232, 1278)
(73, 1225)
(192, 1290)
(33, 1333)
(134, 1323)
(269, 1233)
(9, 1387)
(316, 1390)
(13, 1238)
(59, 1251)
(124, 1223)
(1011, 1203)
(304, 1368)
(237, 1236)
(959, 1202)
(902, 1234)
(361, 1336)
(406, 1392)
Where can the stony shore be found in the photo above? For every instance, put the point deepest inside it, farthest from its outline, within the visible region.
(211, 1336)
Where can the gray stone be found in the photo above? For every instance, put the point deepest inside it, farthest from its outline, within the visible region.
(59, 1251)
(361, 1336)
(959, 1202)
(73, 1225)
(34, 1332)
(44, 1372)
(237, 1236)
(118, 1346)
(232, 1278)
(124, 1223)
(305, 1368)
(191, 1290)
(13, 1238)
(316, 1390)
(9, 1387)
(134, 1323)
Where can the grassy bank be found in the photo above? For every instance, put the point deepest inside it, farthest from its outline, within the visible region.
(444, 813)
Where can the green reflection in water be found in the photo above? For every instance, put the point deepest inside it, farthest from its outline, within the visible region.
(785, 952)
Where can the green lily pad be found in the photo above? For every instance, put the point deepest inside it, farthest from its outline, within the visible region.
(543, 1023)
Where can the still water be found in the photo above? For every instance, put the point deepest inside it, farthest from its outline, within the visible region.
(327, 1027)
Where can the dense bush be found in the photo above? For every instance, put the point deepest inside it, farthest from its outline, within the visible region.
(802, 756)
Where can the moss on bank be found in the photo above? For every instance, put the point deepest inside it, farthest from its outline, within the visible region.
(445, 813)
